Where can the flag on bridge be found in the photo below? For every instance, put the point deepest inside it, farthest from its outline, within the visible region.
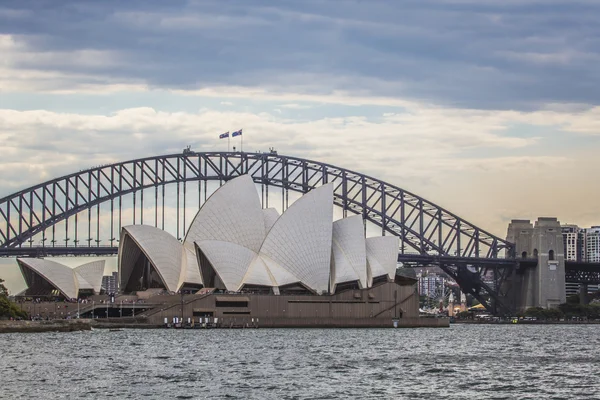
(224, 135)
(236, 133)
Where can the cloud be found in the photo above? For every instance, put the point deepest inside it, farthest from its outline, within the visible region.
(137, 131)
(508, 55)
(295, 106)
(423, 149)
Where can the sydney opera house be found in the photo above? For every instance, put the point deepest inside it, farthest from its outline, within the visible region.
(46, 278)
(240, 263)
(235, 245)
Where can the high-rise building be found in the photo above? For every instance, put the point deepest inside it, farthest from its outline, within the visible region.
(109, 283)
(574, 242)
(431, 285)
(581, 245)
(592, 238)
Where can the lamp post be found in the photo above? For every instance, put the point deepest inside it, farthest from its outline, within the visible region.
(182, 306)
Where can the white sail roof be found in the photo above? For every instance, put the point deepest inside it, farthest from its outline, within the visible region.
(231, 214)
(190, 271)
(229, 260)
(300, 240)
(81, 282)
(92, 273)
(58, 275)
(349, 254)
(270, 215)
(246, 245)
(265, 272)
(162, 250)
(382, 256)
(258, 274)
(280, 275)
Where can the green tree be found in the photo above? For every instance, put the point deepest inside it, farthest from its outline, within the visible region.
(8, 309)
(465, 315)
(573, 299)
(544, 314)
(3, 289)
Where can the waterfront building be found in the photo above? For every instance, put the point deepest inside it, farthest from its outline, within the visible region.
(110, 283)
(431, 285)
(49, 279)
(240, 264)
(235, 245)
(574, 241)
(593, 244)
(581, 245)
(592, 253)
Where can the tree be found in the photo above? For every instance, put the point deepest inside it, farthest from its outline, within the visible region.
(8, 309)
(465, 315)
(543, 313)
(3, 289)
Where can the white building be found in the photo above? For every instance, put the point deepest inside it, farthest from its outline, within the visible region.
(581, 245)
(46, 278)
(574, 240)
(592, 237)
(235, 245)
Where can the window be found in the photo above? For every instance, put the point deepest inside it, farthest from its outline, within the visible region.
(551, 255)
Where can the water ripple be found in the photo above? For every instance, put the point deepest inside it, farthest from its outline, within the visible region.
(463, 362)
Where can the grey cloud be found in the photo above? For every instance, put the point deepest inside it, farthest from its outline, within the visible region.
(464, 53)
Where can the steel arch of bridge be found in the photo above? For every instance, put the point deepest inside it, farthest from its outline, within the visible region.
(422, 226)
(429, 234)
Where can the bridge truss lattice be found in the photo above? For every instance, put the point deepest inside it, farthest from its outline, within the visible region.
(84, 201)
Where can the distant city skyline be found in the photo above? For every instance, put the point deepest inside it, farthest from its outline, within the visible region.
(488, 109)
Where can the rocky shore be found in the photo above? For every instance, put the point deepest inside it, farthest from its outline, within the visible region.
(59, 325)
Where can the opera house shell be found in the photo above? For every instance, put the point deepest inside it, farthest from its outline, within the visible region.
(235, 245)
(45, 278)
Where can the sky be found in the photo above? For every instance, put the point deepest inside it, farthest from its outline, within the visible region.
(490, 109)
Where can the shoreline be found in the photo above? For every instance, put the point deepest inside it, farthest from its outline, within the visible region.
(75, 325)
(526, 322)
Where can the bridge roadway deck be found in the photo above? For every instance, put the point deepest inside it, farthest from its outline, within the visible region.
(409, 258)
(576, 272)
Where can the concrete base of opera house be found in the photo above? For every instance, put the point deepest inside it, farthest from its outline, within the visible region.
(115, 323)
(386, 304)
(341, 323)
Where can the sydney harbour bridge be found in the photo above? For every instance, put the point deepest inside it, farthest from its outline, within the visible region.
(82, 214)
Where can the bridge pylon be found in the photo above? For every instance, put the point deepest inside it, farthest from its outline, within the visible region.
(540, 280)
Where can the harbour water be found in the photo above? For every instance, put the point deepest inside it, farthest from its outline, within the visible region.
(462, 362)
